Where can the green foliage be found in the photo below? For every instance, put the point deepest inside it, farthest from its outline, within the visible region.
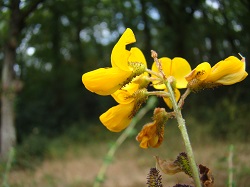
(225, 116)
(32, 151)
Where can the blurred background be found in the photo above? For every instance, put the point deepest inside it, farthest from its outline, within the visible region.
(46, 46)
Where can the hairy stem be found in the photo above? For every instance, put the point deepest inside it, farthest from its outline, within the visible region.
(185, 137)
(180, 120)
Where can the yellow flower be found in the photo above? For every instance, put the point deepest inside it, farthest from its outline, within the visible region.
(226, 72)
(178, 68)
(130, 98)
(125, 66)
(152, 133)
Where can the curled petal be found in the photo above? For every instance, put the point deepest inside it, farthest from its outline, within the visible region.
(143, 141)
(228, 71)
(119, 55)
(105, 81)
(200, 73)
(118, 117)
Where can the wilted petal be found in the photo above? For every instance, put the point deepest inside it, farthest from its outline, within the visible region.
(105, 81)
(151, 135)
(118, 117)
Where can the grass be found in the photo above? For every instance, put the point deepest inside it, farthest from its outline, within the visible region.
(74, 159)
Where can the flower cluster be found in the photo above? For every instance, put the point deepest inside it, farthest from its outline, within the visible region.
(128, 78)
(121, 81)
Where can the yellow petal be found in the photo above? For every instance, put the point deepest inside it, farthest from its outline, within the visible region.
(201, 72)
(137, 56)
(122, 96)
(131, 87)
(166, 64)
(166, 67)
(117, 118)
(180, 68)
(119, 55)
(168, 101)
(105, 81)
(228, 71)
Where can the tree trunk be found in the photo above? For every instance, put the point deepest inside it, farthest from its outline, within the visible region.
(9, 85)
(8, 133)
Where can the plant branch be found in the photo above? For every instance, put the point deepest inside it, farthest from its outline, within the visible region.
(180, 120)
(184, 133)
(183, 97)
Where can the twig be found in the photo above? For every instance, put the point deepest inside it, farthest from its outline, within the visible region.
(180, 120)
(230, 166)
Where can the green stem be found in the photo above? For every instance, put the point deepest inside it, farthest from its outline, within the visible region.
(184, 133)
(230, 166)
(125, 134)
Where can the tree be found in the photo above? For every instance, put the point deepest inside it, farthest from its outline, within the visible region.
(10, 85)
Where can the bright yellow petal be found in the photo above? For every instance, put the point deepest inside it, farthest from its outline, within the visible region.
(180, 68)
(137, 56)
(122, 96)
(157, 84)
(166, 67)
(118, 117)
(201, 72)
(168, 101)
(105, 81)
(228, 71)
(131, 87)
(119, 55)
(166, 64)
